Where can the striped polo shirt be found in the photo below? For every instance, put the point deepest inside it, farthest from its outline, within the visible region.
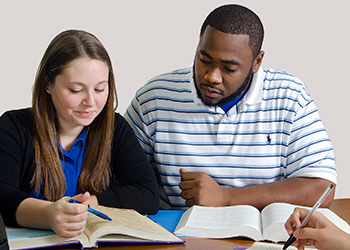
(273, 133)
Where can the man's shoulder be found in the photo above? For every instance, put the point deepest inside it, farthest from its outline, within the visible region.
(177, 80)
(280, 84)
(178, 73)
(176, 76)
(280, 77)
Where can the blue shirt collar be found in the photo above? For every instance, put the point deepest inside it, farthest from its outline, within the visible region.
(226, 107)
(82, 136)
(81, 139)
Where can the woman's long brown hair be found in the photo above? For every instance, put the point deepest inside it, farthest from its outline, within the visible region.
(95, 172)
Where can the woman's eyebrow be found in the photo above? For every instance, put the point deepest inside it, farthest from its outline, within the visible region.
(83, 84)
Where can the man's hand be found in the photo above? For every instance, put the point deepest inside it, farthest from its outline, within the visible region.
(200, 189)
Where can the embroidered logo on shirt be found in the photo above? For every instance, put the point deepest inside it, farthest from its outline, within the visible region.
(268, 138)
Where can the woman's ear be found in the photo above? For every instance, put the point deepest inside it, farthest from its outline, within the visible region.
(47, 85)
(47, 89)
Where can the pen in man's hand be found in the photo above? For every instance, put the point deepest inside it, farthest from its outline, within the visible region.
(93, 211)
(307, 218)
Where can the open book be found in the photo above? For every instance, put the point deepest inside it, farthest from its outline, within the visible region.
(127, 226)
(271, 246)
(244, 221)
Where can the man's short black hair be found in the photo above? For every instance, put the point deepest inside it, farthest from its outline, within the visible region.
(238, 20)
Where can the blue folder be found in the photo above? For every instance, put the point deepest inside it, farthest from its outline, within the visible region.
(167, 218)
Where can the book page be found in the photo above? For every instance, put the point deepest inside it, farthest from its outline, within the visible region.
(125, 222)
(26, 238)
(273, 217)
(269, 246)
(335, 219)
(221, 222)
(27, 233)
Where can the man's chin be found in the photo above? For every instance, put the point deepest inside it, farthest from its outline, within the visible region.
(209, 101)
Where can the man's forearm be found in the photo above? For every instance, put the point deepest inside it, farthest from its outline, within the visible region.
(300, 191)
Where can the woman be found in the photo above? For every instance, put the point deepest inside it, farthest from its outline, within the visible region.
(71, 143)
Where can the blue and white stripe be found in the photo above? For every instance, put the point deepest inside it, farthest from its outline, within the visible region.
(273, 133)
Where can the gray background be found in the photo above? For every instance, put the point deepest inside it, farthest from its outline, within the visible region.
(144, 38)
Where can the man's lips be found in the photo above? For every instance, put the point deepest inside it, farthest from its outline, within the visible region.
(210, 91)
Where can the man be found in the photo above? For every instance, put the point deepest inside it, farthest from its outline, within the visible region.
(226, 132)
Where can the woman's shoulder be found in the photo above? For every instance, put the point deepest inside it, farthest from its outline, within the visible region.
(121, 126)
(119, 119)
(16, 125)
(18, 116)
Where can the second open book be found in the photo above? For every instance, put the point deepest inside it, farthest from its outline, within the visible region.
(244, 221)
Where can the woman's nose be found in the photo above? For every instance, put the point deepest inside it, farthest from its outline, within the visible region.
(89, 99)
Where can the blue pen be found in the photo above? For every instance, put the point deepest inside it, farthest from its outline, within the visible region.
(95, 212)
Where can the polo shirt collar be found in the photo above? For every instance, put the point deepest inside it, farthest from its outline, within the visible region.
(82, 136)
(81, 139)
(253, 95)
(195, 97)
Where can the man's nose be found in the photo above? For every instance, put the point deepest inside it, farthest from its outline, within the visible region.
(213, 75)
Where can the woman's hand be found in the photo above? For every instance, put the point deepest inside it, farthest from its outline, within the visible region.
(69, 219)
(319, 231)
(64, 218)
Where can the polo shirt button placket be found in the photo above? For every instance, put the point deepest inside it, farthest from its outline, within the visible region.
(223, 134)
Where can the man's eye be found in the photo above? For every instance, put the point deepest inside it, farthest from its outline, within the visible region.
(204, 61)
(230, 70)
